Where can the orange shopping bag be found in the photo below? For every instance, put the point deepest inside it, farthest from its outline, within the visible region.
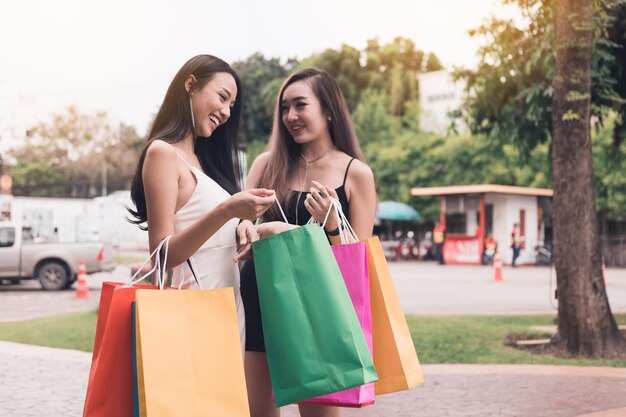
(189, 358)
(395, 359)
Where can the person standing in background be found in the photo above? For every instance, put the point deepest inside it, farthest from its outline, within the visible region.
(439, 237)
(516, 243)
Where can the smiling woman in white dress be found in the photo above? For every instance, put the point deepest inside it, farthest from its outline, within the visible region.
(187, 178)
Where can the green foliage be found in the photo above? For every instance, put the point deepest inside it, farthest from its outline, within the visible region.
(253, 149)
(413, 159)
(29, 176)
(261, 78)
(511, 89)
(510, 96)
(66, 157)
(345, 65)
(609, 166)
(389, 70)
(372, 120)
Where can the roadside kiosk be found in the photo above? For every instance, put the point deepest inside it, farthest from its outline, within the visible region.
(470, 213)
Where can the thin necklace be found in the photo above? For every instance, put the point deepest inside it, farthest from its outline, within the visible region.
(306, 170)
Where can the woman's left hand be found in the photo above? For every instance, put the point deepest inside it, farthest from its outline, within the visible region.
(318, 203)
(246, 234)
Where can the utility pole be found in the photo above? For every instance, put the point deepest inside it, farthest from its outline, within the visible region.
(104, 175)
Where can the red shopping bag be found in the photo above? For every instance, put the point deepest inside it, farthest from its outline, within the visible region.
(109, 388)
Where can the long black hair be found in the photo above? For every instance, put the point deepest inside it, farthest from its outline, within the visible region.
(218, 155)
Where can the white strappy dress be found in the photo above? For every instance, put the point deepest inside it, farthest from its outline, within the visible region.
(213, 262)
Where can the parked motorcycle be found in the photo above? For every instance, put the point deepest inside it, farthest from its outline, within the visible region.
(426, 247)
(543, 254)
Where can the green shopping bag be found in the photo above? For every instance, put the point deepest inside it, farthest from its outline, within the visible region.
(314, 342)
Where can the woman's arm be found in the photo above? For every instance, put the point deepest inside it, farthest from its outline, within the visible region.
(246, 231)
(161, 177)
(361, 192)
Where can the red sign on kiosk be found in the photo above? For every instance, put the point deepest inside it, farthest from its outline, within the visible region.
(461, 249)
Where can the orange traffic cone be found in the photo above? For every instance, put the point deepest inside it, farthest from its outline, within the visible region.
(497, 267)
(81, 288)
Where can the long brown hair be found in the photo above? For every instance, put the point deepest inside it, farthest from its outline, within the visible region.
(285, 152)
(218, 155)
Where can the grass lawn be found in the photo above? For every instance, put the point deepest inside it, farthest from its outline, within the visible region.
(69, 331)
(438, 339)
(479, 339)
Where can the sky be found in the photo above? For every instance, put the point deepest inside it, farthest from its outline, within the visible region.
(119, 56)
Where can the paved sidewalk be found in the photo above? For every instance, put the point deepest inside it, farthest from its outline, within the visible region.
(45, 382)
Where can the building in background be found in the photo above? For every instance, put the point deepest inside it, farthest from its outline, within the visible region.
(77, 219)
(470, 213)
(439, 98)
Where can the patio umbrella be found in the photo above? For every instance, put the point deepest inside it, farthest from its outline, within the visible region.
(394, 210)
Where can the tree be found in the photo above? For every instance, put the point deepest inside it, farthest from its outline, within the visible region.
(609, 165)
(380, 71)
(257, 74)
(617, 39)
(513, 100)
(68, 156)
(372, 119)
(345, 65)
(586, 326)
(510, 92)
(390, 68)
(393, 67)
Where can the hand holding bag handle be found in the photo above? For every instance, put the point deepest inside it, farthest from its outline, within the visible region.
(345, 230)
(346, 233)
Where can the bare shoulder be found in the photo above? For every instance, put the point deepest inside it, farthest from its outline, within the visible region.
(160, 157)
(159, 153)
(256, 170)
(360, 172)
(159, 149)
(262, 160)
(259, 164)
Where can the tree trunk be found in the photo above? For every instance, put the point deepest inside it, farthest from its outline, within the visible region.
(586, 326)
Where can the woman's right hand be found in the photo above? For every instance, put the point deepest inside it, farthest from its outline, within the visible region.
(250, 204)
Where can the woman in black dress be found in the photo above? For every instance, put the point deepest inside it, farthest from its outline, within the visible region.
(313, 156)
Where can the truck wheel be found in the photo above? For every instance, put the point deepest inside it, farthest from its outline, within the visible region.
(53, 276)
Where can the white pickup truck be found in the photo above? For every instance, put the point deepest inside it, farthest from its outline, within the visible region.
(54, 264)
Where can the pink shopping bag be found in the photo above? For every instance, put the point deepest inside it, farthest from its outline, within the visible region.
(352, 261)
